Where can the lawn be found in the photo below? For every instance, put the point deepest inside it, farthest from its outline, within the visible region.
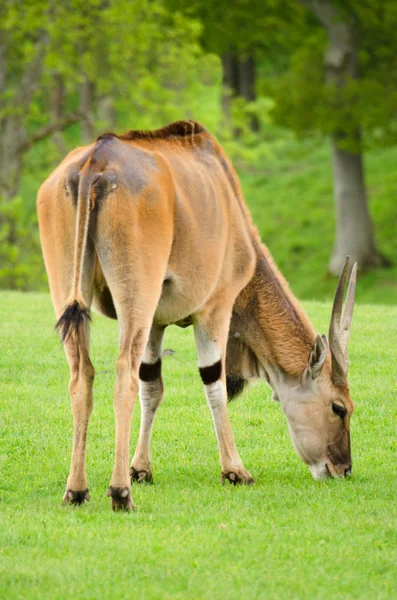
(191, 538)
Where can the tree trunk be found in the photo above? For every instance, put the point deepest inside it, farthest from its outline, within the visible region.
(3, 66)
(247, 80)
(13, 132)
(12, 136)
(230, 81)
(354, 235)
(87, 109)
(15, 140)
(57, 95)
(238, 80)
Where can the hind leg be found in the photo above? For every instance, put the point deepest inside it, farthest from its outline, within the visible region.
(151, 391)
(133, 238)
(57, 232)
(81, 395)
(135, 326)
(136, 287)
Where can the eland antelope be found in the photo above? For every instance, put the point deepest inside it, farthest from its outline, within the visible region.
(151, 228)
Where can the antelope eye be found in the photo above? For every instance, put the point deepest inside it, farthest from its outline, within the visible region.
(339, 410)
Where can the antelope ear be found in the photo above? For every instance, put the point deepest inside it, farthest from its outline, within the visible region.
(325, 342)
(317, 357)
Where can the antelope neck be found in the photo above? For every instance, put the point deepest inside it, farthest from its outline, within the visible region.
(271, 322)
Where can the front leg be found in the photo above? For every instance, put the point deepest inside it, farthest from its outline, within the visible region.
(211, 332)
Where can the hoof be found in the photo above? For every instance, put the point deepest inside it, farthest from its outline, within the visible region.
(237, 478)
(121, 498)
(141, 476)
(72, 497)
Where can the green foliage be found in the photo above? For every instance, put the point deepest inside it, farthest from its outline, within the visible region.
(300, 93)
(306, 104)
(291, 200)
(134, 50)
(21, 25)
(247, 26)
(249, 149)
(285, 537)
(20, 255)
(148, 57)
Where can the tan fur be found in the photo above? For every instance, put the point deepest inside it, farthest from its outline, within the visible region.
(271, 338)
(288, 331)
(151, 228)
(286, 328)
(163, 233)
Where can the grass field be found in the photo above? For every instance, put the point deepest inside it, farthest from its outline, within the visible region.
(190, 538)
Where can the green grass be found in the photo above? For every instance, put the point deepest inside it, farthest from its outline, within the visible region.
(190, 538)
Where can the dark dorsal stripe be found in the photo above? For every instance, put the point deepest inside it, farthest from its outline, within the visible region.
(184, 129)
(150, 372)
(211, 374)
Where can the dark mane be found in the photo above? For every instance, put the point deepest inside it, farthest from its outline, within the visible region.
(184, 129)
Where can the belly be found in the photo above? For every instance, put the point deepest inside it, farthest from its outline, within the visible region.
(179, 300)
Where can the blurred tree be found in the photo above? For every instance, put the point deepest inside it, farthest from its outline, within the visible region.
(56, 55)
(246, 34)
(25, 40)
(331, 69)
(57, 93)
(343, 84)
(87, 101)
(70, 48)
(239, 80)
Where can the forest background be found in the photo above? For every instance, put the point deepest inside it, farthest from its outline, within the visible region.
(302, 94)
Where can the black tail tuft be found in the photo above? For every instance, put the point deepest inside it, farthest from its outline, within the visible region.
(72, 318)
(234, 385)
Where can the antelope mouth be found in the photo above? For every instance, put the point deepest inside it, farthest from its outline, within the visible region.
(329, 465)
(327, 470)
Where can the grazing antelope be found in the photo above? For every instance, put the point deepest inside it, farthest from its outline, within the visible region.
(151, 228)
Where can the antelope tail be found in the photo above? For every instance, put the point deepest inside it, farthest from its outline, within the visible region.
(76, 311)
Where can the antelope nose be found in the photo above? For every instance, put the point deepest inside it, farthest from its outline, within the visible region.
(348, 471)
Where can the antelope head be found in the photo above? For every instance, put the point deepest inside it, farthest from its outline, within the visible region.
(319, 410)
(316, 403)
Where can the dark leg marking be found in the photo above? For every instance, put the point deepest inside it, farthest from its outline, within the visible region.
(234, 385)
(150, 372)
(235, 479)
(212, 373)
(141, 476)
(121, 499)
(79, 497)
